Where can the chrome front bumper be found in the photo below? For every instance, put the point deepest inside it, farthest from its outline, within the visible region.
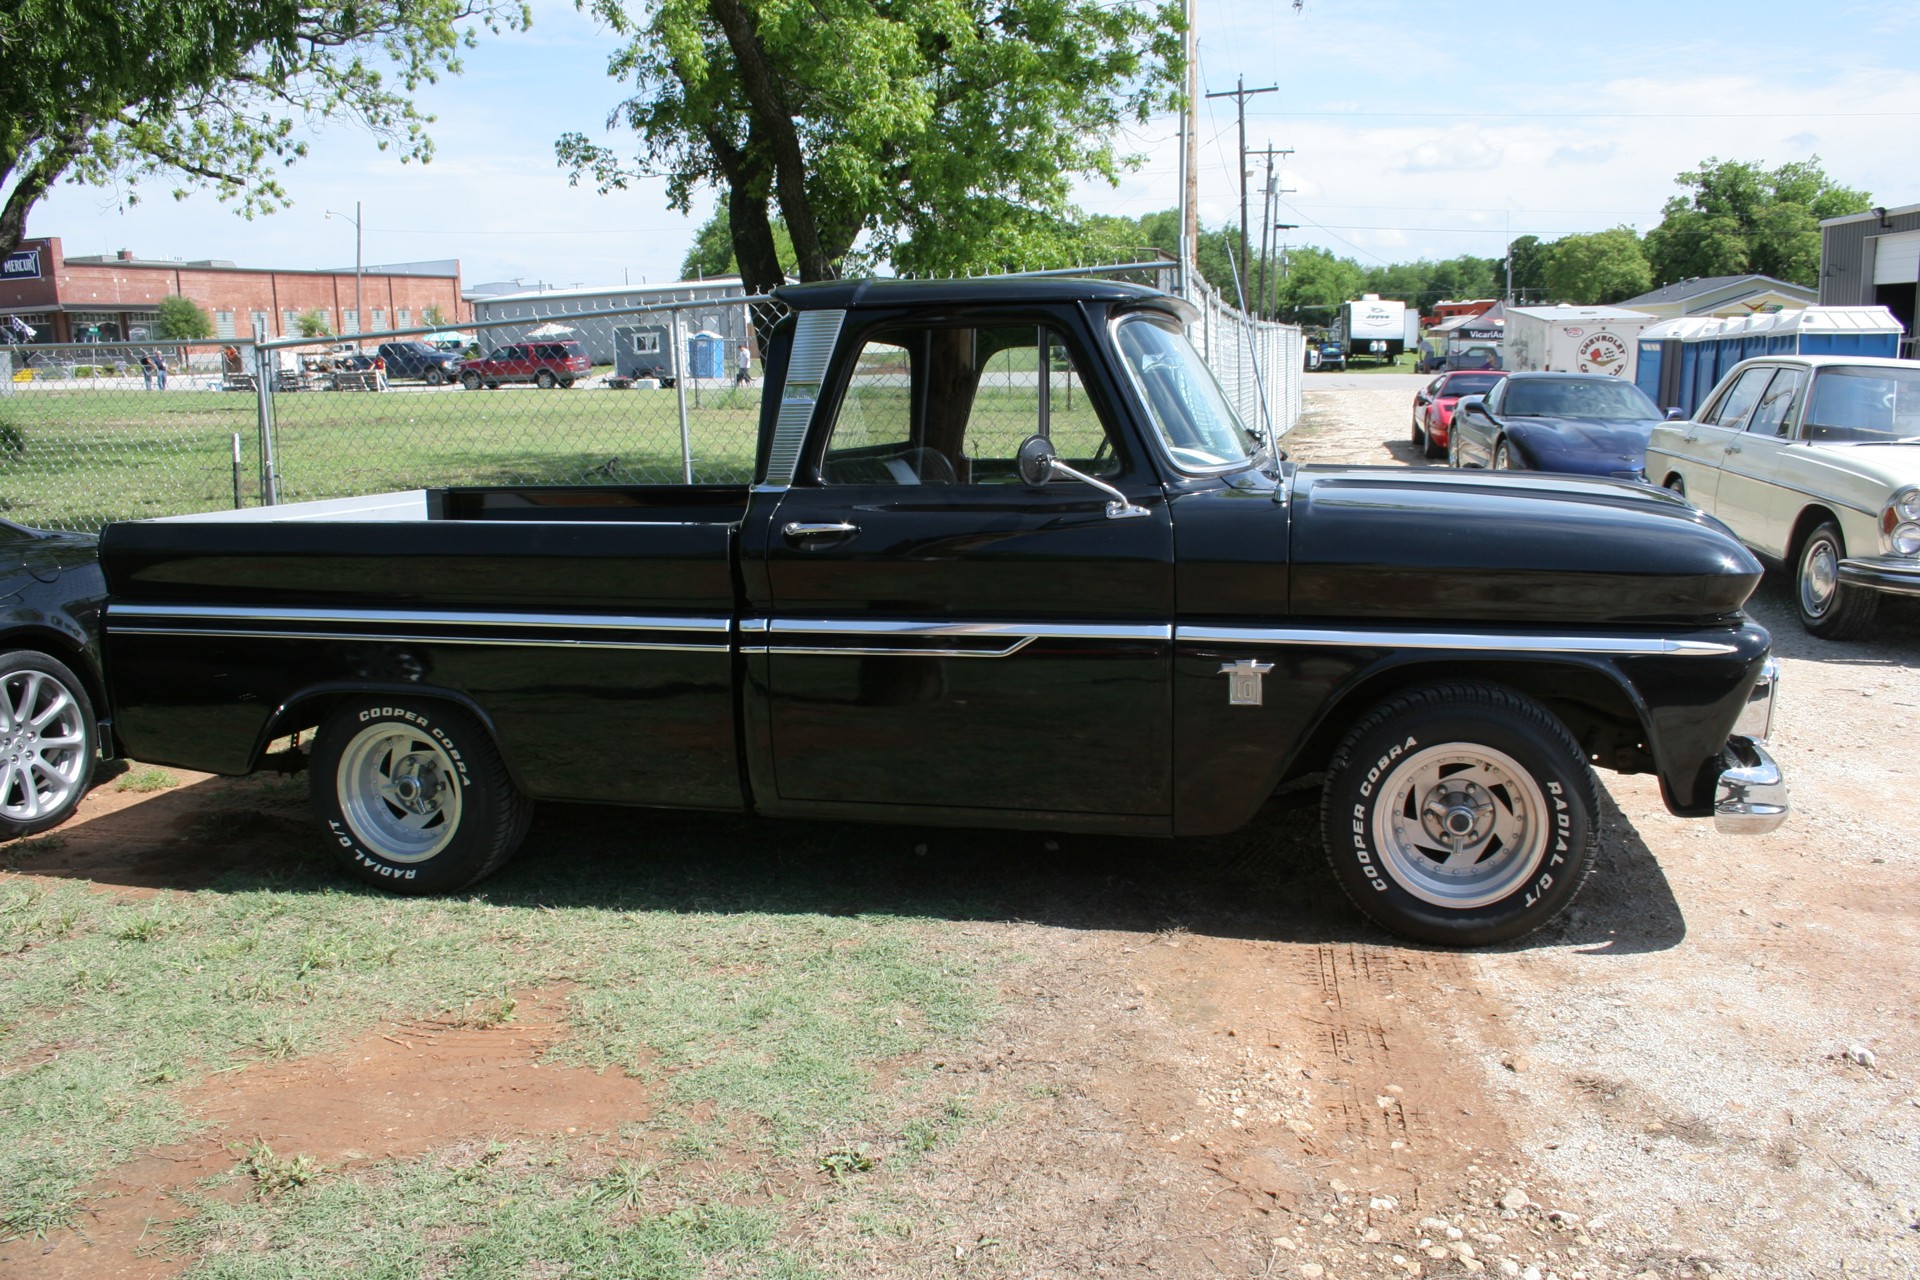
(1751, 798)
(1896, 575)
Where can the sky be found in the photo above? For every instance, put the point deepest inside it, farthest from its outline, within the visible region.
(1418, 131)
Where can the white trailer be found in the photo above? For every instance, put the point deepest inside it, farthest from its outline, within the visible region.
(1373, 328)
(1567, 339)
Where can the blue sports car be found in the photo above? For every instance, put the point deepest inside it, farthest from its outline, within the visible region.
(1590, 424)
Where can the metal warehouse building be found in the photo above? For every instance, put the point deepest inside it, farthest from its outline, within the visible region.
(727, 316)
(1873, 258)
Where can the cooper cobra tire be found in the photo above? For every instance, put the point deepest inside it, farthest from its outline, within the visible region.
(1828, 609)
(471, 381)
(414, 795)
(48, 736)
(1460, 814)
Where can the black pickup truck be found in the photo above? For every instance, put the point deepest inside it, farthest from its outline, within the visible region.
(963, 591)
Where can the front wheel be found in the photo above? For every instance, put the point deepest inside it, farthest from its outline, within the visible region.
(1460, 814)
(1431, 449)
(435, 375)
(414, 794)
(1828, 609)
(1503, 458)
(47, 740)
(471, 381)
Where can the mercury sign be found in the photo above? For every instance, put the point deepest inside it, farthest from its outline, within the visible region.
(22, 264)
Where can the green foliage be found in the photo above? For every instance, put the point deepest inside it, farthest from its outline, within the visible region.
(208, 93)
(182, 318)
(1599, 268)
(712, 252)
(146, 780)
(435, 316)
(1529, 255)
(313, 324)
(1739, 217)
(944, 134)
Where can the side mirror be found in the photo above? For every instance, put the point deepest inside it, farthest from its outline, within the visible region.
(1036, 461)
(1471, 404)
(1676, 415)
(1038, 464)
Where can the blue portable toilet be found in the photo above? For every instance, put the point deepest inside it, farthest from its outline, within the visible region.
(707, 354)
(1846, 331)
(1669, 352)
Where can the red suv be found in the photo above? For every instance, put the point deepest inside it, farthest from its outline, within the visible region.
(545, 364)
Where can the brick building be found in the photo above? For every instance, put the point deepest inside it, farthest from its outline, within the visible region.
(117, 299)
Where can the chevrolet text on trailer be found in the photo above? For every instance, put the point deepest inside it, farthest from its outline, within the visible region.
(963, 591)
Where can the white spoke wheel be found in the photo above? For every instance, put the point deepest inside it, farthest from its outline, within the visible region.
(415, 795)
(1829, 609)
(48, 736)
(1460, 814)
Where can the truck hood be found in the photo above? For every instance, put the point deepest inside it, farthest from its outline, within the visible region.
(1507, 549)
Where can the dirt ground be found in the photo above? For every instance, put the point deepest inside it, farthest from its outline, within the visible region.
(1707, 1067)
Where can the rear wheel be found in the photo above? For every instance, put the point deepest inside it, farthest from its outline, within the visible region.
(47, 740)
(1827, 608)
(471, 381)
(1460, 814)
(545, 380)
(414, 794)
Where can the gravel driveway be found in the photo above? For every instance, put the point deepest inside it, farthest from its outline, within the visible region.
(1730, 1083)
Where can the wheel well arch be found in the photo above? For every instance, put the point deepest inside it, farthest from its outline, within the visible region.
(72, 653)
(1811, 517)
(1594, 703)
(308, 708)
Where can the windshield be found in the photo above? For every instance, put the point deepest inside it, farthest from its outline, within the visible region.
(1196, 424)
(1862, 403)
(1469, 384)
(1599, 399)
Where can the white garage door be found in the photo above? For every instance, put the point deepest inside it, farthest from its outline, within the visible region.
(1896, 259)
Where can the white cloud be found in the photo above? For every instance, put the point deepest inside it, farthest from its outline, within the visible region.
(1460, 150)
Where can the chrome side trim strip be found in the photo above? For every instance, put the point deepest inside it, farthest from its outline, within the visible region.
(415, 617)
(1502, 642)
(778, 635)
(389, 637)
(815, 333)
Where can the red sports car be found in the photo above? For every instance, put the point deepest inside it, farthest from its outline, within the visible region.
(1433, 405)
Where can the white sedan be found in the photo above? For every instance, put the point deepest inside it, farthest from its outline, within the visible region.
(1814, 461)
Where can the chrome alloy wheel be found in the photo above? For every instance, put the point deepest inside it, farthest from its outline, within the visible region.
(399, 792)
(1819, 577)
(43, 745)
(1460, 825)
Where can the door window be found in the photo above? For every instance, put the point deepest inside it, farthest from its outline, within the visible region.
(1733, 407)
(1771, 415)
(951, 405)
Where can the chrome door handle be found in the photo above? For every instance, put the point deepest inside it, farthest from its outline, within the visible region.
(1733, 448)
(799, 530)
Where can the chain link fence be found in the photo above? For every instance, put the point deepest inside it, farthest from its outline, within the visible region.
(635, 395)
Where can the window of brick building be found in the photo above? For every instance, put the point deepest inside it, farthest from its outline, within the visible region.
(223, 324)
(403, 318)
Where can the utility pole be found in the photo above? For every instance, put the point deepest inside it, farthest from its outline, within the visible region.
(1269, 206)
(1240, 93)
(1281, 273)
(1189, 168)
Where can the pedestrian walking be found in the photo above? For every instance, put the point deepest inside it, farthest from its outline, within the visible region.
(745, 375)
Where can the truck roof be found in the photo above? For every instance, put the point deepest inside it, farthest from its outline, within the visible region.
(840, 295)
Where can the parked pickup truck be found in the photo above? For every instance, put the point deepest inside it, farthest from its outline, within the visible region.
(418, 360)
(961, 592)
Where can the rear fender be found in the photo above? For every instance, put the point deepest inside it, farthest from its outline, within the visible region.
(307, 708)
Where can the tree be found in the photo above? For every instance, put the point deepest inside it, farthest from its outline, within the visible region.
(313, 324)
(182, 318)
(943, 132)
(712, 251)
(1599, 268)
(435, 316)
(207, 93)
(1529, 255)
(1740, 217)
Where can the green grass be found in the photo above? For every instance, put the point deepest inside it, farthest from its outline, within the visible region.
(762, 1029)
(145, 780)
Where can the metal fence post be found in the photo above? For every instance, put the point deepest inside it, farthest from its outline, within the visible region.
(263, 376)
(680, 391)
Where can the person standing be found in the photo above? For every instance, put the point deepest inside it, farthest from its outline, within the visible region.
(160, 369)
(146, 370)
(745, 375)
